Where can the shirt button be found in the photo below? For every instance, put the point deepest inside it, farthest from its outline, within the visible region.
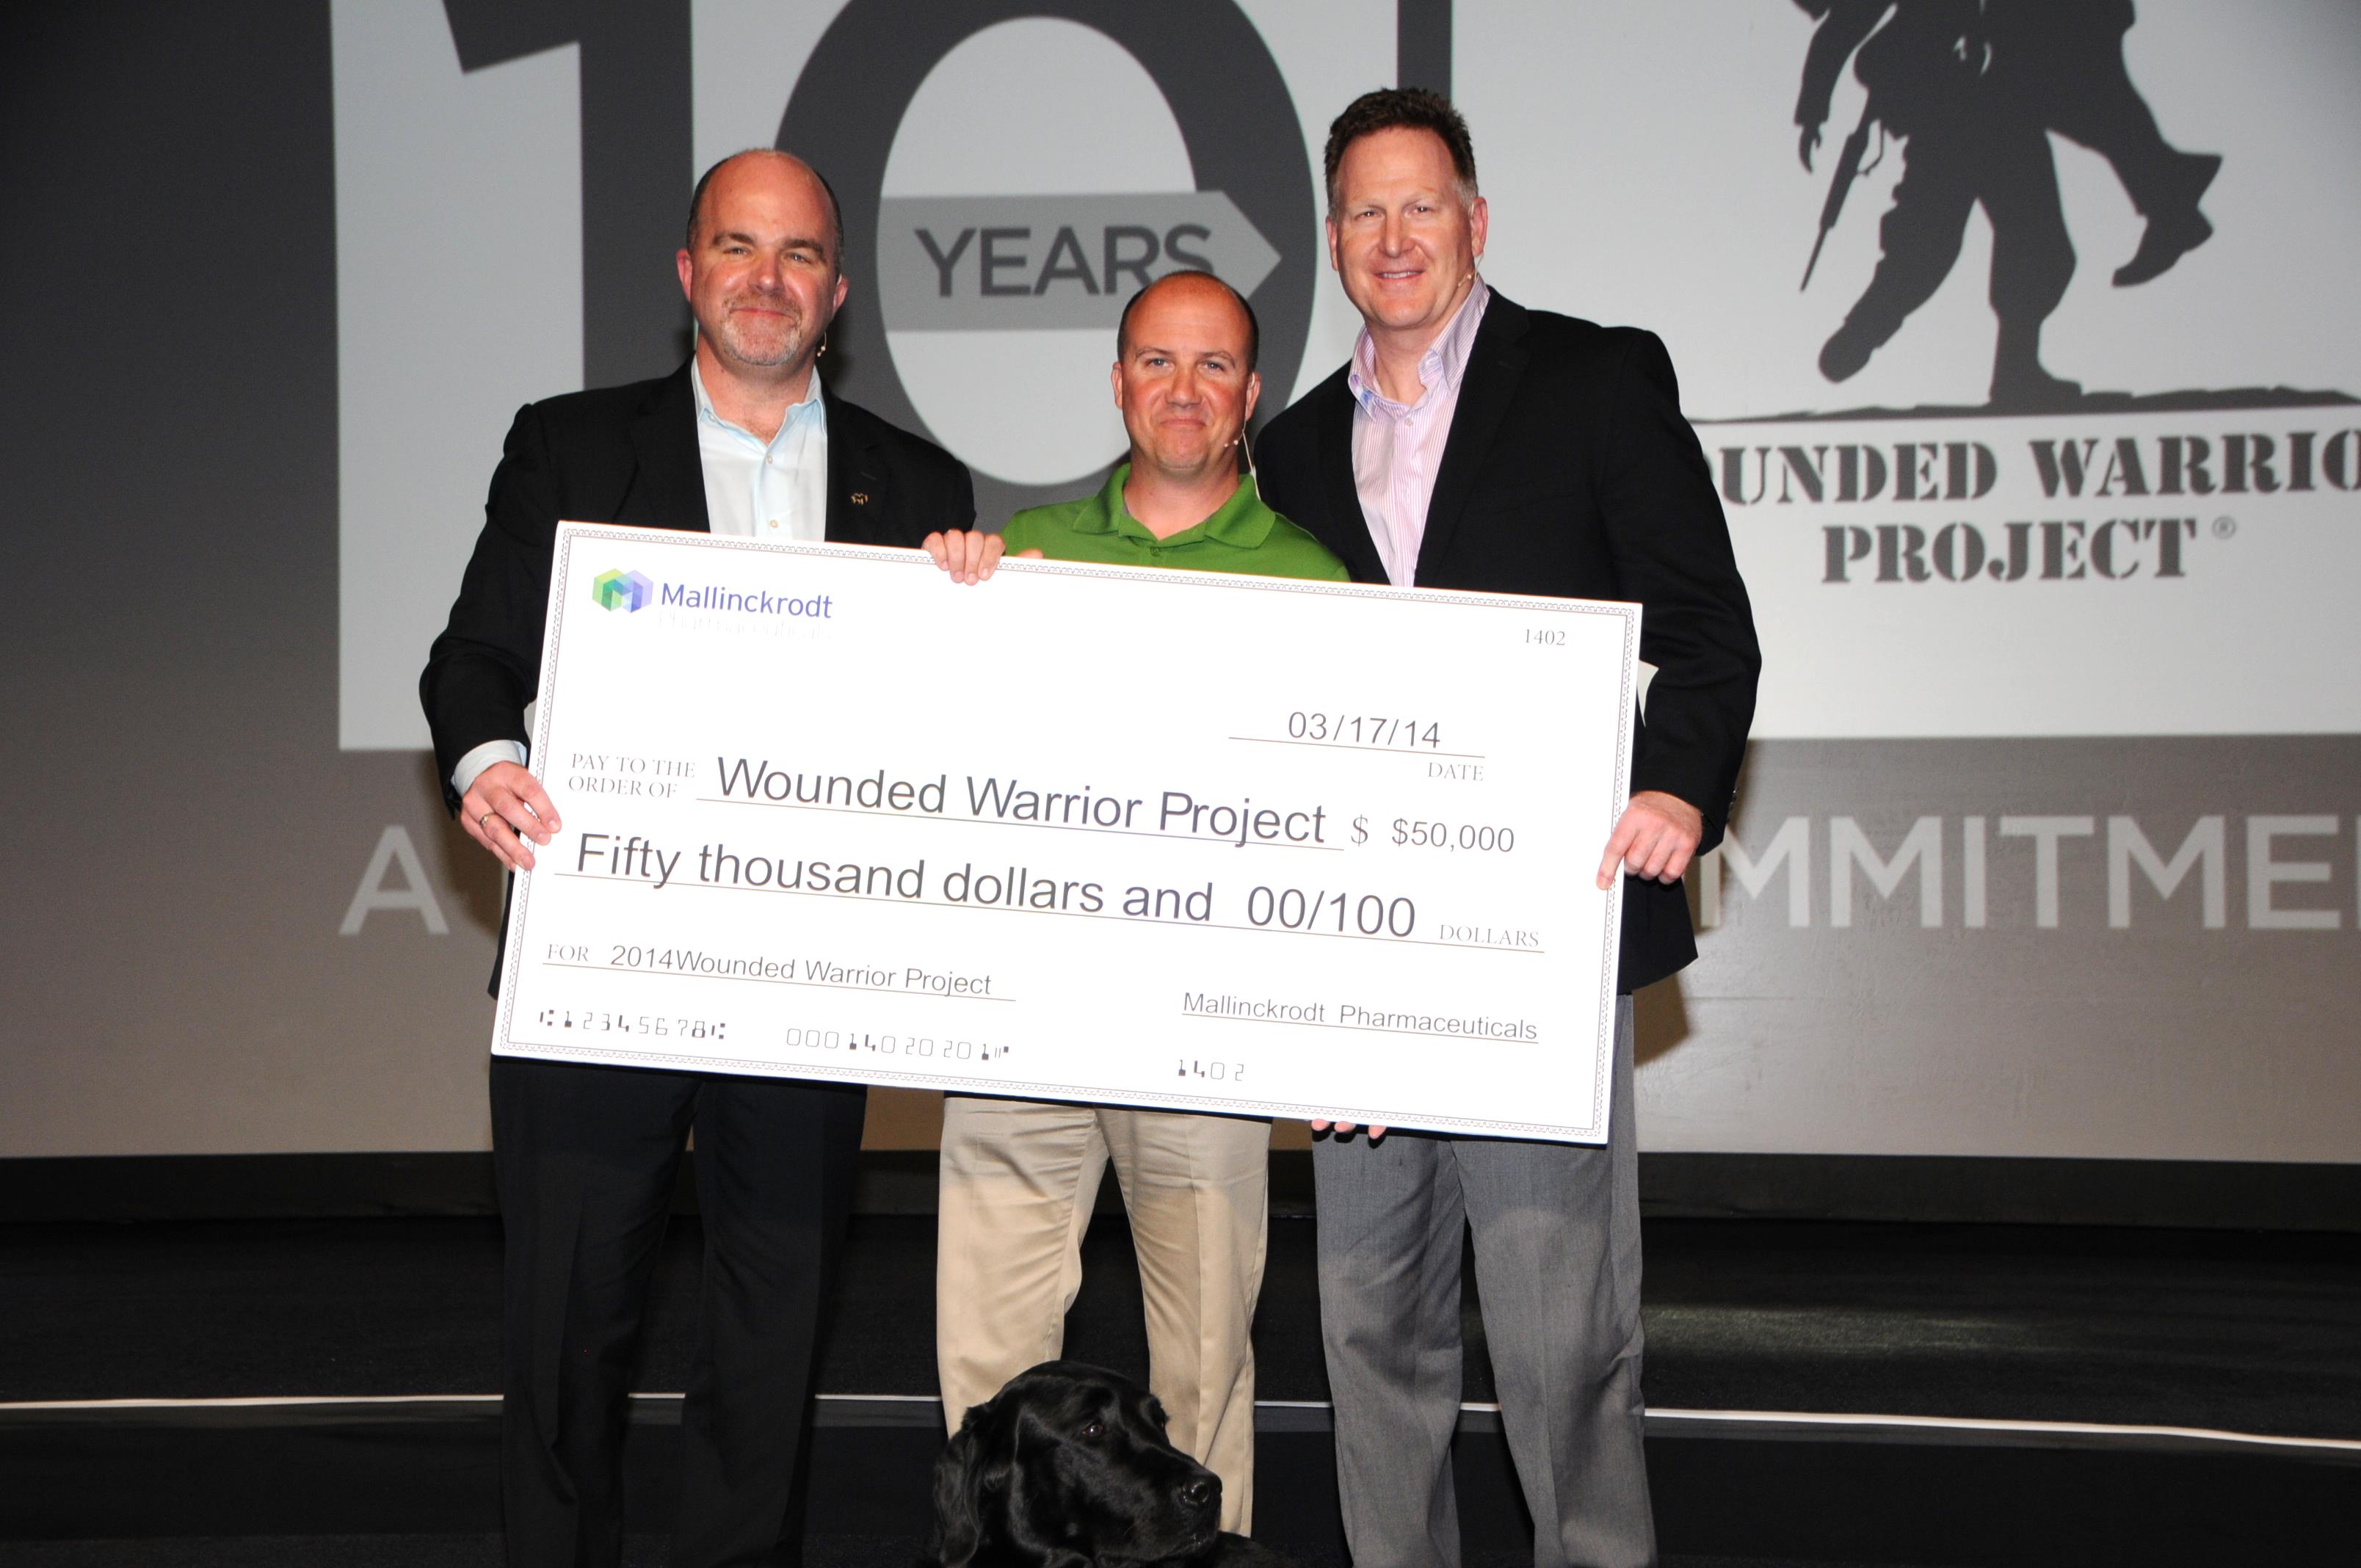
(774, 522)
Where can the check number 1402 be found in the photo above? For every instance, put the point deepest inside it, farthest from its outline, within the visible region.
(1231, 1072)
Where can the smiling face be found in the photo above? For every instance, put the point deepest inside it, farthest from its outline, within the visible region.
(1403, 239)
(761, 274)
(1181, 376)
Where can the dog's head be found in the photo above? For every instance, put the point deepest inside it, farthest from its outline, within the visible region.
(1067, 1464)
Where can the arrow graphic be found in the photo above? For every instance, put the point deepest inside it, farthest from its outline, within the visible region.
(1021, 263)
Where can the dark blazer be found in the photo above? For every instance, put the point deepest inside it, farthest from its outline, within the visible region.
(1569, 471)
(629, 455)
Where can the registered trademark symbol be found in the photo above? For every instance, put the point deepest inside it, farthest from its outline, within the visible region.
(2226, 527)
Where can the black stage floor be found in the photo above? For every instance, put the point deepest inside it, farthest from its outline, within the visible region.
(1820, 1393)
(2246, 1334)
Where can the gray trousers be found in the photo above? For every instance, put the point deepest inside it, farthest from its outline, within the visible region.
(1557, 1265)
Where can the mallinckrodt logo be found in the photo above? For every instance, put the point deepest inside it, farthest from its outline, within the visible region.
(623, 590)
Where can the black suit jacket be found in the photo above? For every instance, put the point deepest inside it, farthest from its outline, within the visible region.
(1570, 471)
(629, 455)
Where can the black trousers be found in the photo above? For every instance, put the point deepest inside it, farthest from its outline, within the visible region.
(586, 1158)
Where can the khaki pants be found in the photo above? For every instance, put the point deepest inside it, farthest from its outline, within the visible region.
(1018, 1178)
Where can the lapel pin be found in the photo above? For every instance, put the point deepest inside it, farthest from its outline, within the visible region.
(860, 497)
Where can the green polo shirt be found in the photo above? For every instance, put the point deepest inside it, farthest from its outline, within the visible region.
(1244, 536)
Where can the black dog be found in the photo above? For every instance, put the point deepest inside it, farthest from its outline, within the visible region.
(1068, 1467)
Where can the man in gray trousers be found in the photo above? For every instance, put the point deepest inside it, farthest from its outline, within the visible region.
(1474, 444)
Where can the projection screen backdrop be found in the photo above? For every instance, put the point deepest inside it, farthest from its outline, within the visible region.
(2047, 842)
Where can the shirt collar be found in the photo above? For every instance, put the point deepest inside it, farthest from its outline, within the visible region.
(1442, 366)
(1242, 520)
(803, 408)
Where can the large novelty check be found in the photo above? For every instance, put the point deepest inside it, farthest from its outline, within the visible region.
(1225, 843)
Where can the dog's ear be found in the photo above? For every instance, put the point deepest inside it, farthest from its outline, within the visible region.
(970, 1491)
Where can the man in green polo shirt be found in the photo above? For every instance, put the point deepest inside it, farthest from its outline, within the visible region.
(1019, 1177)
(1185, 381)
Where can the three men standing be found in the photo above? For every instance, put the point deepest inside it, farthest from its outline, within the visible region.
(1470, 444)
(1473, 444)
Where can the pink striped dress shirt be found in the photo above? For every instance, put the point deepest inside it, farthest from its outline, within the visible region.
(1397, 447)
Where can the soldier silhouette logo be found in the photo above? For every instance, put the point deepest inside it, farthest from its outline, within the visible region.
(1971, 91)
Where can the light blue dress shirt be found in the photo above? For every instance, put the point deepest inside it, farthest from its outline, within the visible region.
(766, 490)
